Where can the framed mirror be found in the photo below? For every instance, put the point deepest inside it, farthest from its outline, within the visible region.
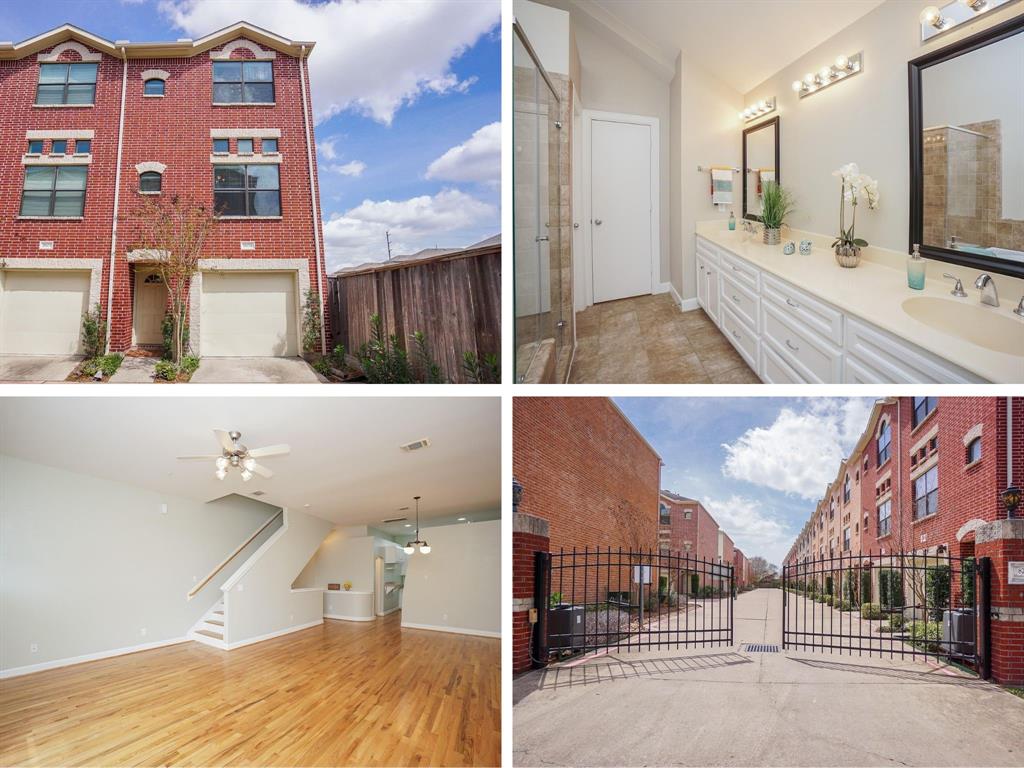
(967, 151)
(760, 164)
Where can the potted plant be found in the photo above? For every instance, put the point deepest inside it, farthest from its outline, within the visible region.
(776, 205)
(854, 186)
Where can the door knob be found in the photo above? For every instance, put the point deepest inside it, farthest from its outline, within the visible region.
(598, 222)
(575, 225)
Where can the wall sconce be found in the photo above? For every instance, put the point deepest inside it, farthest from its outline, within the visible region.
(760, 109)
(936, 20)
(843, 68)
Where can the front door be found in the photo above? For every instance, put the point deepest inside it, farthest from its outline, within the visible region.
(150, 308)
(622, 209)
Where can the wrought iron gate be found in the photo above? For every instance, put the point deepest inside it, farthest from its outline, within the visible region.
(902, 604)
(626, 600)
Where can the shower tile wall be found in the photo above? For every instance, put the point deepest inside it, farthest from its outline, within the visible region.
(561, 180)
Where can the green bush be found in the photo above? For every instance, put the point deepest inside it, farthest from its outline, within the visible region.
(936, 590)
(311, 323)
(110, 363)
(189, 364)
(967, 582)
(484, 370)
(844, 605)
(707, 591)
(828, 585)
(870, 611)
(865, 586)
(338, 358)
(891, 588)
(322, 366)
(895, 623)
(694, 583)
(94, 333)
(166, 370)
(926, 634)
(426, 368)
(90, 366)
(167, 328)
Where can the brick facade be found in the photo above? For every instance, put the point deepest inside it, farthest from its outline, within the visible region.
(173, 130)
(692, 530)
(529, 536)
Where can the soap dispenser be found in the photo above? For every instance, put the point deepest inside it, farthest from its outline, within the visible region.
(915, 269)
(732, 221)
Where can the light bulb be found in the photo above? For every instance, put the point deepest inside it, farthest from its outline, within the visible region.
(408, 549)
(246, 475)
(762, 105)
(221, 474)
(809, 78)
(222, 463)
(931, 16)
(249, 463)
(798, 85)
(974, 5)
(825, 74)
(424, 549)
(842, 62)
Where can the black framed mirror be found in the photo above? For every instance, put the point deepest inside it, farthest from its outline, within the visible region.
(967, 151)
(760, 164)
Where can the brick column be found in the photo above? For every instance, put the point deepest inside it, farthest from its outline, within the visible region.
(529, 536)
(1003, 542)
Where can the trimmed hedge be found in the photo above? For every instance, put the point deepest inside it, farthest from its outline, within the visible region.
(870, 611)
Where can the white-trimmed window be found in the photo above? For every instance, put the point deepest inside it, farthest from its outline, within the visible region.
(54, 191)
(153, 87)
(268, 146)
(243, 82)
(67, 83)
(664, 515)
(151, 182)
(885, 518)
(846, 490)
(974, 450)
(247, 190)
(884, 443)
(926, 493)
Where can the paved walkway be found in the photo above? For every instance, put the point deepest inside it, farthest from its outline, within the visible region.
(37, 369)
(723, 707)
(254, 370)
(135, 370)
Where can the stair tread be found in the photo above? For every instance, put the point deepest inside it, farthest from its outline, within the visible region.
(210, 633)
(214, 621)
(219, 613)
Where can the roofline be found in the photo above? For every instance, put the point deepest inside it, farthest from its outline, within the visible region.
(637, 431)
(181, 48)
(385, 266)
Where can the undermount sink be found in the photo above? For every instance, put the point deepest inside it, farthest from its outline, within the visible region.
(973, 323)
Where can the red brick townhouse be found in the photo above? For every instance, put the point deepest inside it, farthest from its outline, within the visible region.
(926, 472)
(91, 127)
(741, 568)
(687, 528)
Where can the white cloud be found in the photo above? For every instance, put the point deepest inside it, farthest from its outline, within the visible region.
(371, 57)
(754, 529)
(477, 159)
(352, 168)
(801, 450)
(357, 236)
(328, 147)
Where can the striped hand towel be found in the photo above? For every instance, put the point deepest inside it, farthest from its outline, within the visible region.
(721, 186)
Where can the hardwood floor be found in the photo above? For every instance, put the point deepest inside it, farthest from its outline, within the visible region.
(344, 693)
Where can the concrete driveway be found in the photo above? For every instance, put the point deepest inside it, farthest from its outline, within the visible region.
(37, 369)
(254, 370)
(722, 707)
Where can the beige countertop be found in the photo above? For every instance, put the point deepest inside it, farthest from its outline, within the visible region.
(875, 291)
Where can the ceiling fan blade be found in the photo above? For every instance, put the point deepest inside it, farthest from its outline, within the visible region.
(199, 458)
(262, 471)
(270, 450)
(225, 440)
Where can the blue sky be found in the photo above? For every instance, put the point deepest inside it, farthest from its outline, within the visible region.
(757, 464)
(407, 98)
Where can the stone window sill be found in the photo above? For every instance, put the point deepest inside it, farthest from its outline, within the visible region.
(148, 193)
(63, 106)
(50, 218)
(917, 520)
(152, 95)
(245, 103)
(924, 421)
(973, 464)
(250, 218)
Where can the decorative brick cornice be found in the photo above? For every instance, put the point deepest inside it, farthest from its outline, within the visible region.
(245, 133)
(224, 54)
(999, 530)
(538, 526)
(274, 159)
(53, 57)
(151, 167)
(80, 133)
(155, 74)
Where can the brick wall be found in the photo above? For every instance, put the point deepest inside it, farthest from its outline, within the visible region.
(1003, 541)
(529, 536)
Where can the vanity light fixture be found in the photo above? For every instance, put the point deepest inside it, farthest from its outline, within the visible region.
(842, 68)
(936, 20)
(760, 109)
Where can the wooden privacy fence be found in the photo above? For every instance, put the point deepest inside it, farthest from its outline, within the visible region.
(453, 298)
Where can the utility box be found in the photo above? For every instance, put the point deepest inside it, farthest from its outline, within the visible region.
(566, 626)
(958, 633)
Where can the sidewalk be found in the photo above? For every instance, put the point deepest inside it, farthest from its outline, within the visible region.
(722, 707)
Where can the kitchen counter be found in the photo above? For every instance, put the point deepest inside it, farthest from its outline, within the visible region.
(876, 290)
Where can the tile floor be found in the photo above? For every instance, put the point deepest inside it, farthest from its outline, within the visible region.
(647, 340)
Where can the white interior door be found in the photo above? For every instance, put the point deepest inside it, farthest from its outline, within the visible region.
(621, 208)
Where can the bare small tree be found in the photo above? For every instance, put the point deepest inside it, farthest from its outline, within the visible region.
(762, 570)
(174, 230)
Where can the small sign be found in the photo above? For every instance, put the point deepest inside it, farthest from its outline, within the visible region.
(248, 245)
(334, 587)
(641, 572)
(1016, 572)
(46, 245)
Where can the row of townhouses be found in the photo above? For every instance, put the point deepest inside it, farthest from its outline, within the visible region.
(94, 127)
(687, 529)
(925, 473)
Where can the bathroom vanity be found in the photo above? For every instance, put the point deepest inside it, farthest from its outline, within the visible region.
(804, 319)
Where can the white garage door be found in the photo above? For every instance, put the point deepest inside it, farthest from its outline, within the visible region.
(41, 311)
(248, 314)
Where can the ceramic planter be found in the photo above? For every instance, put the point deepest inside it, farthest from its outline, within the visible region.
(847, 256)
(772, 236)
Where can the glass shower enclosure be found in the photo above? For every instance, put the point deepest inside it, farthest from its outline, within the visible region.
(537, 247)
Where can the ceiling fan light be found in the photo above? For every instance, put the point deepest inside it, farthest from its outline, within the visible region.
(221, 473)
(424, 548)
(249, 463)
(222, 463)
(246, 475)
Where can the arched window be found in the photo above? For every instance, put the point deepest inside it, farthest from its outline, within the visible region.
(150, 181)
(153, 87)
(153, 279)
(884, 443)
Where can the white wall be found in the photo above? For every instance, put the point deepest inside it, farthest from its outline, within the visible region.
(548, 32)
(259, 599)
(864, 119)
(340, 558)
(86, 564)
(457, 587)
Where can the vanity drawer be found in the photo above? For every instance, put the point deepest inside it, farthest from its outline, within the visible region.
(707, 250)
(741, 271)
(812, 357)
(741, 300)
(808, 312)
(740, 336)
(876, 357)
(775, 370)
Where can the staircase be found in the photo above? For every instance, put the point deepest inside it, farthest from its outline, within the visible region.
(210, 628)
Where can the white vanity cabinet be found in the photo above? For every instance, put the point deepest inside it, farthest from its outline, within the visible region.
(789, 336)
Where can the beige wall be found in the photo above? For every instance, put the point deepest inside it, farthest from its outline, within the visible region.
(87, 564)
(340, 558)
(863, 120)
(457, 587)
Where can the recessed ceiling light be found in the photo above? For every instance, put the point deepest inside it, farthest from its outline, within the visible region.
(408, 525)
(461, 519)
(306, 506)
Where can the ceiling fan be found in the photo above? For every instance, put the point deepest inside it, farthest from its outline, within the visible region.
(234, 454)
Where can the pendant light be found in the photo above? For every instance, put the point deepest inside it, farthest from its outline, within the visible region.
(411, 546)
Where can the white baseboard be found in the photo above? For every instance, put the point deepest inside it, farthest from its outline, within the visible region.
(272, 635)
(688, 305)
(453, 630)
(663, 288)
(389, 611)
(27, 670)
(339, 617)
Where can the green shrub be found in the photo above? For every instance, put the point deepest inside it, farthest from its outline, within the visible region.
(166, 370)
(694, 583)
(94, 333)
(967, 581)
(167, 329)
(481, 371)
(707, 591)
(110, 363)
(90, 366)
(865, 586)
(891, 588)
(311, 323)
(427, 369)
(936, 590)
(844, 605)
(322, 366)
(895, 623)
(189, 364)
(828, 585)
(870, 611)
(382, 358)
(925, 634)
(338, 358)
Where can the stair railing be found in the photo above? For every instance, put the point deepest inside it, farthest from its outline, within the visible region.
(195, 590)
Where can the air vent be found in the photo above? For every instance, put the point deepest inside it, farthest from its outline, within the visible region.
(395, 520)
(415, 446)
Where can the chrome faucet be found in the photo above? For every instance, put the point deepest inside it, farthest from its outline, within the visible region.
(1020, 307)
(987, 286)
(958, 289)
